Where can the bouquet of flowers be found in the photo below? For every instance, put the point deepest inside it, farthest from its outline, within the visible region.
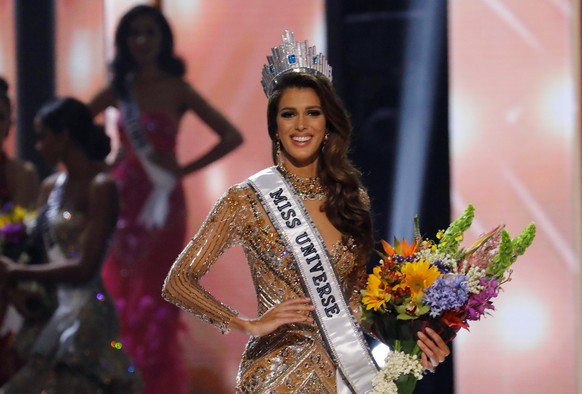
(436, 284)
(13, 224)
(13, 235)
(32, 299)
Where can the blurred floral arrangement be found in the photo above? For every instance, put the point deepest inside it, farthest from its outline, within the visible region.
(436, 284)
(31, 298)
(13, 230)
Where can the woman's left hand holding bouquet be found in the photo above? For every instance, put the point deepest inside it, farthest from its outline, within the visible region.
(434, 349)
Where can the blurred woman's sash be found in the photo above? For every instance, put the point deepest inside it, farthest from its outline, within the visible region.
(341, 333)
(157, 205)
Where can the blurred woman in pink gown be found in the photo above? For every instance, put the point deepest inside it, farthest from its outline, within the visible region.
(149, 90)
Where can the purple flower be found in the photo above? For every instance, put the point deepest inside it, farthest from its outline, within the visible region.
(479, 303)
(7, 208)
(443, 269)
(446, 293)
(13, 233)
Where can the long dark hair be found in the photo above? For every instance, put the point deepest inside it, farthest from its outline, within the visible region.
(4, 92)
(71, 115)
(5, 101)
(123, 62)
(345, 206)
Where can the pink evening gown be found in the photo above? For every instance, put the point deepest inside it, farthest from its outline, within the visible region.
(139, 261)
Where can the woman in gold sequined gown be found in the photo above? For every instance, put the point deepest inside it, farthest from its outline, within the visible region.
(286, 353)
(77, 350)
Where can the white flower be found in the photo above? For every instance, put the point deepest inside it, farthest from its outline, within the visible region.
(397, 363)
(474, 275)
(431, 256)
(384, 387)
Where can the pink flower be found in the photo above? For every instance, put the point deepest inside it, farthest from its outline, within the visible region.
(478, 304)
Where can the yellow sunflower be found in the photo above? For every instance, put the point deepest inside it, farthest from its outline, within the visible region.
(418, 276)
(375, 295)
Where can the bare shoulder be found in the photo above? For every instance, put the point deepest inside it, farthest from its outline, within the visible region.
(29, 168)
(173, 83)
(48, 184)
(104, 198)
(187, 91)
(20, 167)
(177, 91)
(183, 85)
(104, 182)
(192, 93)
(106, 97)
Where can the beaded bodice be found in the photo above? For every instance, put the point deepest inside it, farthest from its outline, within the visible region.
(306, 188)
(239, 219)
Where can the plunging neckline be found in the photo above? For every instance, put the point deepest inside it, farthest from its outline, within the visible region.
(332, 249)
(334, 244)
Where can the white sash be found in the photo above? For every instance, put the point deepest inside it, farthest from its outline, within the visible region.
(157, 205)
(341, 333)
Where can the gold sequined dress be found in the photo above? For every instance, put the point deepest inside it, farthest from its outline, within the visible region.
(292, 359)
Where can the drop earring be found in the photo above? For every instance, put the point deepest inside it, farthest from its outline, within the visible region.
(278, 151)
(324, 140)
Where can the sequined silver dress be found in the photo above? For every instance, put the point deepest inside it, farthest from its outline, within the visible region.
(292, 359)
(78, 349)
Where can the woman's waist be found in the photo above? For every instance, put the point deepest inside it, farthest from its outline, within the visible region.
(129, 164)
(295, 334)
(79, 293)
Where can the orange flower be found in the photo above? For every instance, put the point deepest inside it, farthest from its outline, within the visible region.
(387, 248)
(400, 247)
(453, 320)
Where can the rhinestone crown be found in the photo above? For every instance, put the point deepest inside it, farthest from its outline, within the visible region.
(292, 56)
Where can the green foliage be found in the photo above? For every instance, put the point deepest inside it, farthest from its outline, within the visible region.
(412, 309)
(404, 314)
(510, 249)
(523, 241)
(367, 316)
(449, 242)
(502, 260)
(417, 235)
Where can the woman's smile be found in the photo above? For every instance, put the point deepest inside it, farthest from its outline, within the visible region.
(301, 128)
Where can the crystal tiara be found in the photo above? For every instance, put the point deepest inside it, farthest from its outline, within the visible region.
(293, 56)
